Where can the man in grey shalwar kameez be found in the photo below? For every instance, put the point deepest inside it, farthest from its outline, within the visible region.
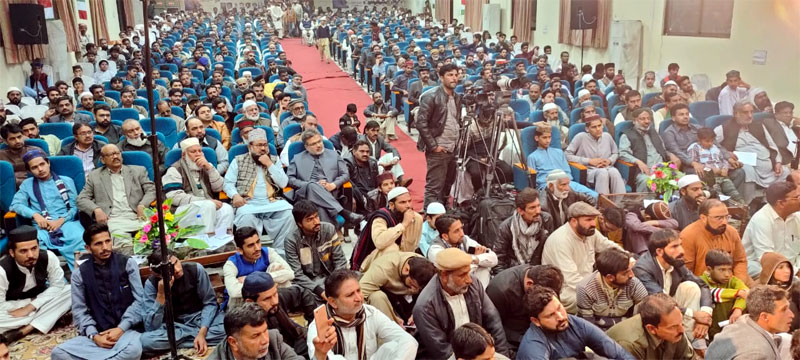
(106, 318)
(596, 150)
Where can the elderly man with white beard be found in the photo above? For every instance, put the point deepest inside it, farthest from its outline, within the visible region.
(196, 129)
(254, 183)
(191, 183)
(251, 111)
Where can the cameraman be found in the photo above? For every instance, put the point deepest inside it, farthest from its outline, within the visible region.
(438, 123)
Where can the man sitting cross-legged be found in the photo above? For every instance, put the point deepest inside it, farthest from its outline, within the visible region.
(656, 332)
(106, 303)
(33, 293)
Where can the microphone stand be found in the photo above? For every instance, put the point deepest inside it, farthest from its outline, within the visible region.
(165, 267)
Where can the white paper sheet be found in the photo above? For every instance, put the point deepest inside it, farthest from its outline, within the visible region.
(747, 158)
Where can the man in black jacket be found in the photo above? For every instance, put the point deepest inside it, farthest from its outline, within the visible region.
(665, 256)
(363, 171)
(438, 123)
(521, 237)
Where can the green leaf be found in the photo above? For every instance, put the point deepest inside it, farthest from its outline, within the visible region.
(138, 247)
(196, 243)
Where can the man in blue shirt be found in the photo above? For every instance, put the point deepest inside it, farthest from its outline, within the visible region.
(555, 335)
(546, 159)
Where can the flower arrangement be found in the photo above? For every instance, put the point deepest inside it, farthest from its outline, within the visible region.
(664, 179)
(146, 239)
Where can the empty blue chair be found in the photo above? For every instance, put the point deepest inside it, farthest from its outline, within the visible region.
(178, 111)
(143, 93)
(140, 158)
(253, 71)
(113, 94)
(702, 110)
(60, 130)
(716, 120)
(124, 114)
(521, 107)
(165, 126)
(70, 166)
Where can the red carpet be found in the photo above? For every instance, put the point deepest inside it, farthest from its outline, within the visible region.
(330, 90)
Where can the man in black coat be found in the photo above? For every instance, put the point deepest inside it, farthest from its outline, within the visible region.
(520, 238)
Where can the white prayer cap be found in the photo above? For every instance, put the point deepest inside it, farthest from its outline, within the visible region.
(586, 78)
(435, 208)
(248, 104)
(246, 73)
(557, 174)
(687, 180)
(582, 93)
(671, 82)
(549, 106)
(256, 134)
(189, 142)
(85, 94)
(13, 88)
(396, 192)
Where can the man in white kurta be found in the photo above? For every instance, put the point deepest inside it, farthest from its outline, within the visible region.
(33, 293)
(572, 248)
(253, 182)
(774, 228)
(190, 184)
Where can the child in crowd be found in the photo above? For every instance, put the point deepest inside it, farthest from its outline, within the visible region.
(350, 118)
(727, 291)
(705, 152)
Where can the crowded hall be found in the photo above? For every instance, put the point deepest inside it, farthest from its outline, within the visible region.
(399, 179)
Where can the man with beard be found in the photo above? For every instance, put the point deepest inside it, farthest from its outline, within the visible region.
(451, 299)
(99, 94)
(383, 114)
(85, 146)
(105, 317)
(14, 96)
(572, 247)
(196, 129)
(641, 145)
(656, 332)
(662, 270)
(685, 208)
(67, 114)
(520, 238)
(250, 337)
(393, 283)
(609, 295)
(554, 334)
(32, 287)
(415, 89)
(31, 131)
(712, 231)
(86, 100)
(395, 227)
(318, 175)
(633, 101)
(48, 200)
(390, 160)
(451, 235)
(507, 291)
(297, 88)
(137, 140)
(558, 196)
(363, 171)
(206, 115)
(687, 91)
(104, 127)
(669, 87)
(254, 183)
(192, 183)
(298, 110)
(164, 110)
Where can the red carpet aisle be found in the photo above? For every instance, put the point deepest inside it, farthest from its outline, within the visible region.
(330, 90)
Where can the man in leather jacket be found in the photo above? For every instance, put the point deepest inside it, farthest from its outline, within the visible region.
(438, 123)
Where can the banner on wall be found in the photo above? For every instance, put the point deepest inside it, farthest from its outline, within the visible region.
(83, 9)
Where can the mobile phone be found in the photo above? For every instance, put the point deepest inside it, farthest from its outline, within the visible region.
(321, 320)
(471, 250)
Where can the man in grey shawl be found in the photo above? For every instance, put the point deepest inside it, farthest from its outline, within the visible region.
(521, 237)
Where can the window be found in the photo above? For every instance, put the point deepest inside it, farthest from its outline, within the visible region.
(707, 18)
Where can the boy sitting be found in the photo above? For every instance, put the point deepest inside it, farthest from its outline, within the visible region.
(727, 291)
(705, 152)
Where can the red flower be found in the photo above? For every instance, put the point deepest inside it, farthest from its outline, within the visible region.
(164, 207)
(154, 219)
(659, 174)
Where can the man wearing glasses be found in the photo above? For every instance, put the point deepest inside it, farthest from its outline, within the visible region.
(712, 231)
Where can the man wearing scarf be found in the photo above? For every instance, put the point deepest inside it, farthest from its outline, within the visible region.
(196, 129)
(362, 331)
(396, 227)
(33, 295)
(558, 195)
(49, 201)
(106, 303)
(521, 237)
(191, 183)
(254, 183)
(451, 299)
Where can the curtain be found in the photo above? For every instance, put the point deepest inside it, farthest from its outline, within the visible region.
(16, 54)
(99, 24)
(66, 12)
(596, 38)
(444, 10)
(128, 8)
(473, 14)
(523, 19)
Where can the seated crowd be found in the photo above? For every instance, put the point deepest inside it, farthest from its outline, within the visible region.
(565, 274)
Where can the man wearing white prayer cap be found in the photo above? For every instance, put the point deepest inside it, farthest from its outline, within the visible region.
(254, 182)
(86, 100)
(251, 111)
(553, 115)
(685, 209)
(192, 183)
(14, 95)
(397, 227)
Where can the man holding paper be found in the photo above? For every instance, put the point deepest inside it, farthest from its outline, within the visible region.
(755, 150)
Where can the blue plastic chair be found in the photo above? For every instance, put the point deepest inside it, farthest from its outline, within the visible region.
(179, 112)
(143, 103)
(124, 114)
(528, 146)
(175, 154)
(209, 131)
(165, 126)
(139, 158)
(32, 142)
(113, 94)
(297, 147)
(702, 110)
(254, 71)
(70, 166)
(619, 128)
(521, 107)
(240, 149)
(60, 130)
(716, 120)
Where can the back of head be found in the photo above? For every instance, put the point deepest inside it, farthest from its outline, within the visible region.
(778, 191)
(612, 261)
(421, 270)
(470, 341)
(614, 216)
(548, 276)
(653, 307)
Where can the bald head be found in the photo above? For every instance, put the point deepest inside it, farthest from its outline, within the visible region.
(112, 157)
